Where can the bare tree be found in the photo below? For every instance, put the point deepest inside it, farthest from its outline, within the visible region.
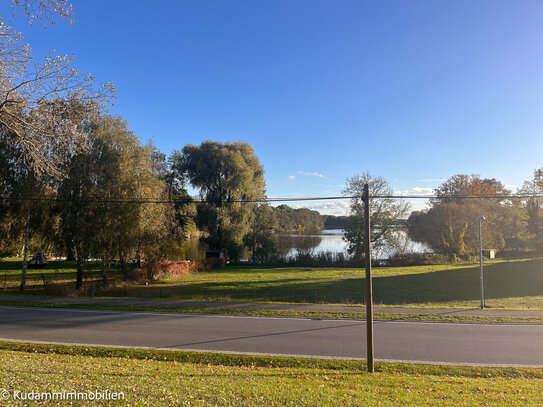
(37, 98)
(384, 213)
(43, 10)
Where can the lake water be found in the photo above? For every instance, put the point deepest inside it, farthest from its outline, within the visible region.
(332, 240)
(327, 240)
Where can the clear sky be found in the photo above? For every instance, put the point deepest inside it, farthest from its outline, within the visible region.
(414, 91)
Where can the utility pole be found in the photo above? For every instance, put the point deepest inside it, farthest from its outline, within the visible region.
(369, 295)
(481, 218)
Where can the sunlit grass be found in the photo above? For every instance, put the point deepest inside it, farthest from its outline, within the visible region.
(214, 379)
(508, 284)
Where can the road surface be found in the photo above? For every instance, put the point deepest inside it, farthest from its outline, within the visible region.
(459, 343)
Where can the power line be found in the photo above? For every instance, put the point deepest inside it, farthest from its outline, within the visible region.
(264, 200)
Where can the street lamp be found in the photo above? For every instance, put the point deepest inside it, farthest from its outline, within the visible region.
(481, 218)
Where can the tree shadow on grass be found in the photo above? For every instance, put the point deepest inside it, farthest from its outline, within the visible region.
(502, 280)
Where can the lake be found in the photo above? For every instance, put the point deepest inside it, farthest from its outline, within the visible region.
(332, 240)
(327, 240)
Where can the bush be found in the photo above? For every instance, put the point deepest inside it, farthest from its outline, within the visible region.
(308, 258)
(213, 263)
(514, 253)
(141, 274)
(155, 270)
(515, 243)
(413, 259)
(180, 268)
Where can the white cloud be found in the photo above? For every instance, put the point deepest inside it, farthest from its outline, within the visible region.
(416, 191)
(512, 187)
(327, 208)
(291, 177)
(423, 191)
(312, 174)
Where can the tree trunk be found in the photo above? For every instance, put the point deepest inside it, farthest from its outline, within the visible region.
(79, 258)
(103, 271)
(254, 246)
(70, 254)
(123, 264)
(138, 256)
(25, 253)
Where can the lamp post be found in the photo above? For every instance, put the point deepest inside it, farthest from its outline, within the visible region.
(481, 218)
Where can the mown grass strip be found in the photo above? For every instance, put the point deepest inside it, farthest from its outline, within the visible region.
(287, 314)
(155, 379)
(225, 359)
(515, 283)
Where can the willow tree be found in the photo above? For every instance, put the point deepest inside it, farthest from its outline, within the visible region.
(43, 103)
(104, 214)
(225, 174)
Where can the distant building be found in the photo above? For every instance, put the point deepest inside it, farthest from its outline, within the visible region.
(214, 254)
(489, 253)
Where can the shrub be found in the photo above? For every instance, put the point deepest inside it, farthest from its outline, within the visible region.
(180, 268)
(519, 252)
(213, 263)
(412, 259)
(155, 270)
(141, 274)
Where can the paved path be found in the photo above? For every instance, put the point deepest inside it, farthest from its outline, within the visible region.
(488, 344)
(262, 306)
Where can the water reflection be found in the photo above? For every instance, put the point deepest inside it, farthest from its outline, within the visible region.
(287, 244)
(192, 249)
(328, 241)
(332, 241)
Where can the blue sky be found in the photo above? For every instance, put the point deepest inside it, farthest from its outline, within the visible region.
(414, 91)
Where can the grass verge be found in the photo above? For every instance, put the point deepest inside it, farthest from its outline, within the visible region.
(151, 377)
(290, 314)
(511, 284)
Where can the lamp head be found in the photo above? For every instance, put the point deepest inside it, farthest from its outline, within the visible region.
(482, 217)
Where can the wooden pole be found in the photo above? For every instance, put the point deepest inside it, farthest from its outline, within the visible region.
(481, 285)
(369, 295)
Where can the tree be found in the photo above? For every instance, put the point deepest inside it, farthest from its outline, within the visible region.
(101, 212)
(533, 204)
(35, 95)
(26, 204)
(384, 213)
(446, 227)
(301, 220)
(43, 11)
(224, 174)
(458, 186)
(182, 213)
(259, 238)
(450, 225)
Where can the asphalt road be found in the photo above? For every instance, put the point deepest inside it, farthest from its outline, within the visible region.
(488, 344)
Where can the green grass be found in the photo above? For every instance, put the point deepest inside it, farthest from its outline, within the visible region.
(161, 378)
(508, 284)
(288, 313)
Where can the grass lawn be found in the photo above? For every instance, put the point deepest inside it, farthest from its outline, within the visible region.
(508, 284)
(177, 378)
